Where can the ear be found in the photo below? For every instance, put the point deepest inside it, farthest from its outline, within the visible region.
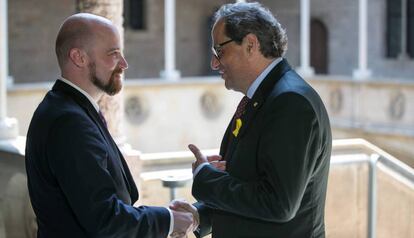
(252, 43)
(78, 57)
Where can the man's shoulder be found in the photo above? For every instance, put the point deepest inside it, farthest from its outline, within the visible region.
(291, 82)
(54, 106)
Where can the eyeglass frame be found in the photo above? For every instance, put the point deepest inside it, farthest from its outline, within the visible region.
(216, 49)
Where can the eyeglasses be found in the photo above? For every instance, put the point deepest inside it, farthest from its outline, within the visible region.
(217, 48)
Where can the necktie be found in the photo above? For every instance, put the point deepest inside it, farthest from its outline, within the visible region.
(103, 119)
(239, 112)
(241, 107)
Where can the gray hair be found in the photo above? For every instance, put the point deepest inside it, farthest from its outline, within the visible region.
(243, 18)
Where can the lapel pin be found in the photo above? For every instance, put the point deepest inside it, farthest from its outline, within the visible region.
(255, 104)
(239, 124)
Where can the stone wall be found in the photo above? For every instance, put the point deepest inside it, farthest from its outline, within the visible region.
(33, 26)
(341, 20)
(380, 111)
(159, 115)
(166, 116)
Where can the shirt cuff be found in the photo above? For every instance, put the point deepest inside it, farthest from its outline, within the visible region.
(171, 222)
(199, 168)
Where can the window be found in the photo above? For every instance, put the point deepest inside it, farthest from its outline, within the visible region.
(135, 14)
(410, 28)
(400, 28)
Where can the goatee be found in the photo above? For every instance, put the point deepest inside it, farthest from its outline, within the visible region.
(112, 87)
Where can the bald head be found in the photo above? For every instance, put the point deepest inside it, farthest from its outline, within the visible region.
(78, 31)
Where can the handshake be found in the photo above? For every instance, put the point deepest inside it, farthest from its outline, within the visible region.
(186, 218)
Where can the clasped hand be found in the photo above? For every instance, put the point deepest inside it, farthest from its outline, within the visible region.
(186, 218)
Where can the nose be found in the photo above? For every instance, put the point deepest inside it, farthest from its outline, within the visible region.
(214, 63)
(123, 64)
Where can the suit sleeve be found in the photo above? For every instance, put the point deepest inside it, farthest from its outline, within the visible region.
(204, 228)
(77, 157)
(284, 163)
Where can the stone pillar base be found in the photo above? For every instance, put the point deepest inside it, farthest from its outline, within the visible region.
(361, 74)
(305, 71)
(8, 128)
(171, 75)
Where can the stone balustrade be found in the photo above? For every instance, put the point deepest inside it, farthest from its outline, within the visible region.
(346, 205)
(380, 111)
(165, 116)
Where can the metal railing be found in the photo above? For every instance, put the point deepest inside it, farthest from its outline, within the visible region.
(344, 152)
(168, 166)
(365, 152)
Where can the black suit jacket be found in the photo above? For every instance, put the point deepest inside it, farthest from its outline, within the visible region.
(79, 183)
(277, 166)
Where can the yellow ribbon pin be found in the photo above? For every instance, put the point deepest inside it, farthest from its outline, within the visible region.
(238, 126)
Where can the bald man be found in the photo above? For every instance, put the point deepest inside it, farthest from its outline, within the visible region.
(79, 183)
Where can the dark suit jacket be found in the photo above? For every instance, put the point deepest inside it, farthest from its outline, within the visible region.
(79, 183)
(277, 166)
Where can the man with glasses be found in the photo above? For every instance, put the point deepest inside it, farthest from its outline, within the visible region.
(271, 176)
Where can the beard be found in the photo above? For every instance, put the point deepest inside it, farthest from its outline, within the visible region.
(112, 87)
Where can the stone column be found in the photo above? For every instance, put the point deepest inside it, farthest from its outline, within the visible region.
(403, 54)
(112, 106)
(305, 70)
(170, 72)
(362, 71)
(8, 126)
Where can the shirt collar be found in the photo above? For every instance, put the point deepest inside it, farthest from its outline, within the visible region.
(252, 89)
(94, 104)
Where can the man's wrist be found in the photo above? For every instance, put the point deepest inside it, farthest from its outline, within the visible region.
(171, 222)
(196, 170)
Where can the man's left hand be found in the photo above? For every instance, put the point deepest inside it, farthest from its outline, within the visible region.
(215, 160)
(200, 158)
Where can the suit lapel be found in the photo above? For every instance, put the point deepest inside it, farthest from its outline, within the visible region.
(84, 103)
(226, 139)
(253, 107)
(81, 100)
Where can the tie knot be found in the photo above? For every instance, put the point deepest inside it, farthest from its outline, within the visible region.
(241, 107)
